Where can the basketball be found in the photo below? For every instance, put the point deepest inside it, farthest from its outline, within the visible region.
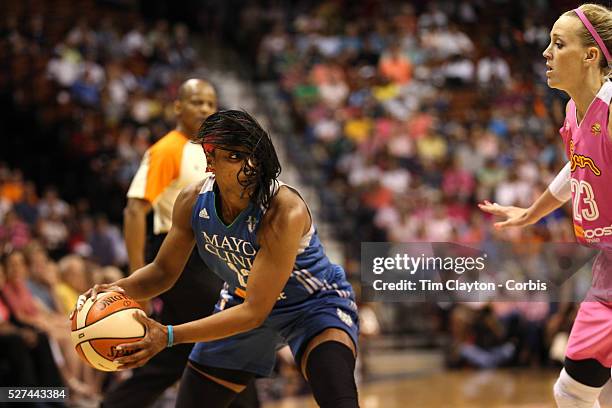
(100, 326)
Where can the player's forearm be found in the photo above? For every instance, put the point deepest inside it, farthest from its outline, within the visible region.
(146, 283)
(557, 193)
(543, 206)
(235, 320)
(134, 232)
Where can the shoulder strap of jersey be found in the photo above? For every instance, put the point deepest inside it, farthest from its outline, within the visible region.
(208, 184)
(605, 93)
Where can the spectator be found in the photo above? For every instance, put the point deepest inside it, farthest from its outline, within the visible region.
(53, 232)
(27, 207)
(493, 70)
(14, 232)
(12, 189)
(27, 353)
(479, 339)
(395, 66)
(74, 280)
(43, 279)
(51, 204)
(107, 243)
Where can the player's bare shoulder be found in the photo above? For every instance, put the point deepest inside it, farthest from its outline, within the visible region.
(188, 195)
(287, 208)
(185, 201)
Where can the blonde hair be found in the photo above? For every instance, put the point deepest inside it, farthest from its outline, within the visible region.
(600, 18)
(67, 262)
(110, 274)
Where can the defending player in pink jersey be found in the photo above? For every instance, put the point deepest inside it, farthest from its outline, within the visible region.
(578, 61)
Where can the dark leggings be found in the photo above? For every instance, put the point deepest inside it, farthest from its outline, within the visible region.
(196, 388)
(330, 369)
(588, 372)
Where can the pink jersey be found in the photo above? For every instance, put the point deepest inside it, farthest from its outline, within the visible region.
(589, 149)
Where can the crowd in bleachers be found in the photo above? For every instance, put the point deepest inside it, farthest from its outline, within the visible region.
(416, 113)
(59, 227)
(36, 296)
(90, 92)
(89, 95)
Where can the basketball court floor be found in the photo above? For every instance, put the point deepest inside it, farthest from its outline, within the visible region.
(416, 378)
(449, 389)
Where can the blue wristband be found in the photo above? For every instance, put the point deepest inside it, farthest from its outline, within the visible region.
(170, 335)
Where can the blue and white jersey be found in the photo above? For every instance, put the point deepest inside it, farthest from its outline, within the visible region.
(230, 250)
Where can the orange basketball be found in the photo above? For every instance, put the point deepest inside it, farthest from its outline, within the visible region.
(100, 326)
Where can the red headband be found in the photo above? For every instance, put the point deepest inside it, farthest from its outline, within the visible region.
(593, 32)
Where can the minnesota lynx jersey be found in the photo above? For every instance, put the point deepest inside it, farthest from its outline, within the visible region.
(229, 250)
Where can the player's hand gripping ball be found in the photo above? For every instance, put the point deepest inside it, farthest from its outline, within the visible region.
(100, 325)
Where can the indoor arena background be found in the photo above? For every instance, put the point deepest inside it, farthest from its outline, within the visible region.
(395, 117)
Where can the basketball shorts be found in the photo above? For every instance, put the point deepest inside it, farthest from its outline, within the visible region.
(591, 336)
(255, 351)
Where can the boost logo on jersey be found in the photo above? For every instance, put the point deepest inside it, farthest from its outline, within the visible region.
(595, 233)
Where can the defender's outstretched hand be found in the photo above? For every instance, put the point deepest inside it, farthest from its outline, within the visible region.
(515, 216)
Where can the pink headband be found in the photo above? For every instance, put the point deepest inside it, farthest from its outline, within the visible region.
(593, 32)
